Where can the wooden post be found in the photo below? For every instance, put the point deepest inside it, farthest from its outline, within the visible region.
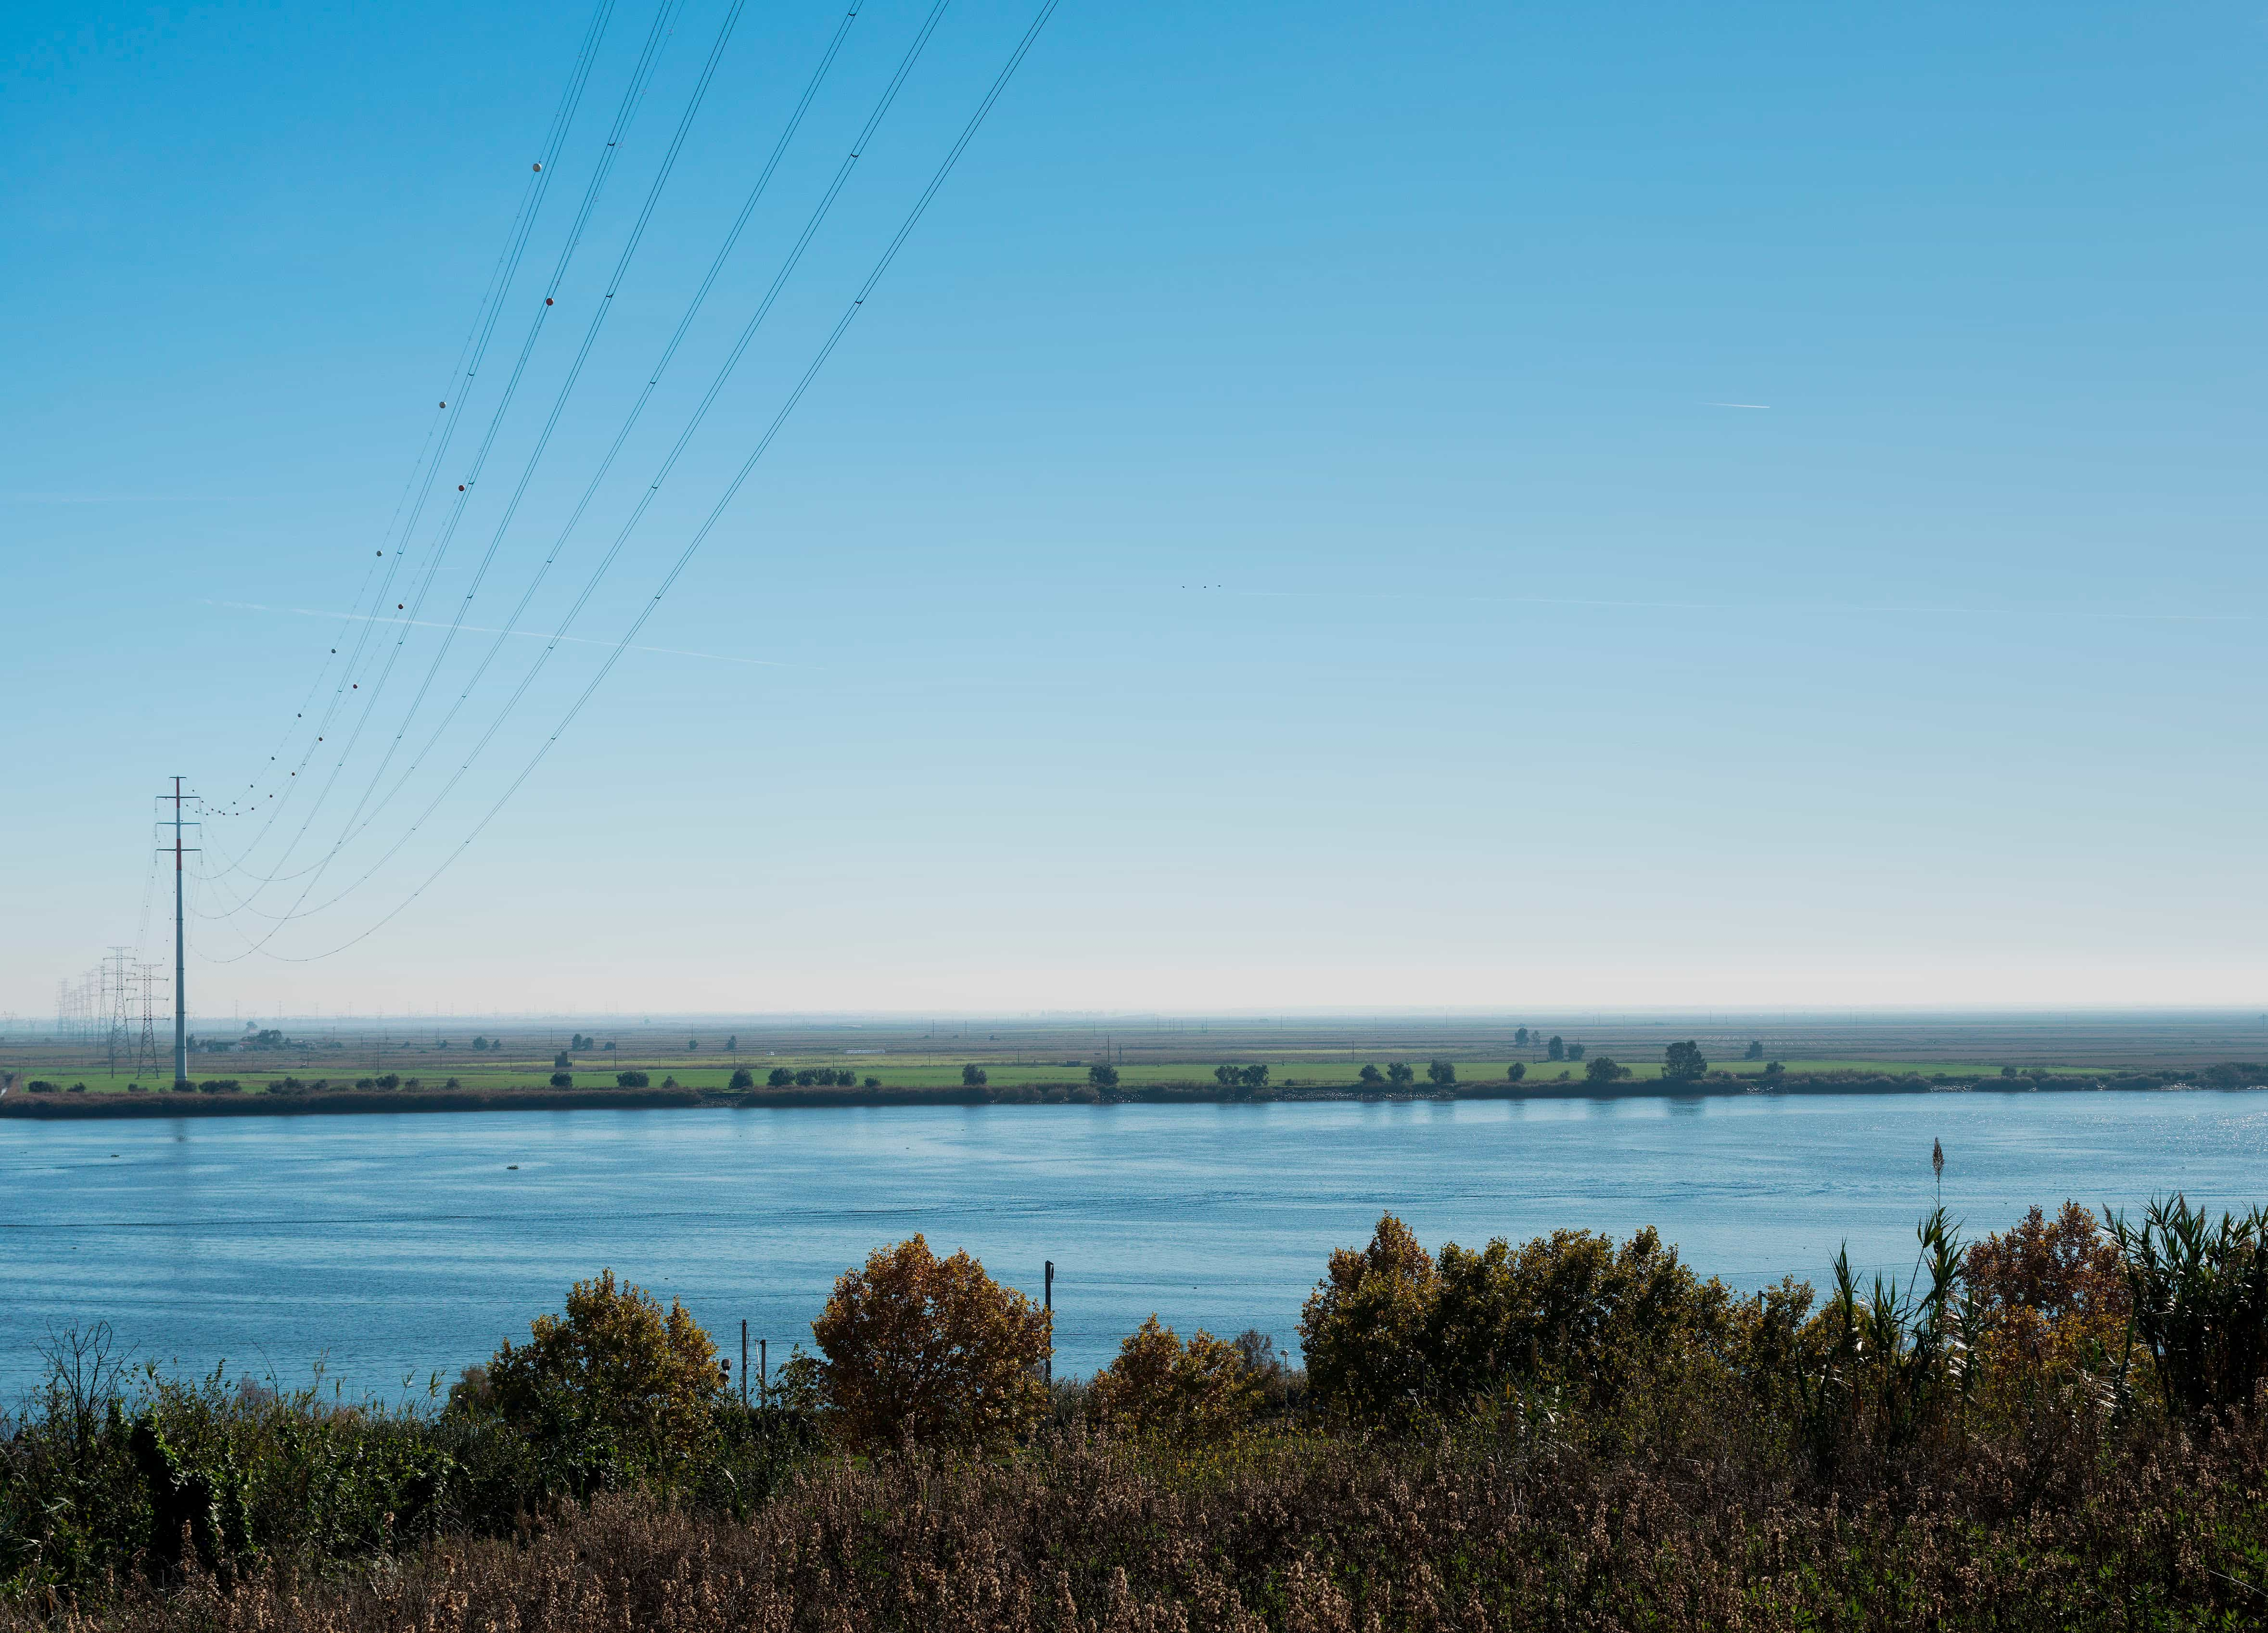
(744, 1364)
(763, 1373)
(1048, 1293)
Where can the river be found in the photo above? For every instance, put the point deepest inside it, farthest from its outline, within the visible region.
(390, 1246)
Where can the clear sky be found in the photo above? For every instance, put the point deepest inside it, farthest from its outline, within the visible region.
(1371, 505)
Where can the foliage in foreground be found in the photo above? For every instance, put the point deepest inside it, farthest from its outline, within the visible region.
(2061, 1427)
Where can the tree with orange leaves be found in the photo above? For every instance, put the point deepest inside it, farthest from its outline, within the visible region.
(931, 1351)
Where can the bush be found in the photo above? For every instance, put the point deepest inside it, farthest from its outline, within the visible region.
(613, 1384)
(365, 1083)
(1388, 1330)
(563, 1079)
(1400, 1072)
(631, 1081)
(1443, 1074)
(1372, 1075)
(389, 1081)
(743, 1078)
(78, 1088)
(931, 1350)
(2199, 1293)
(874, 1082)
(40, 1086)
(1103, 1077)
(1158, 1384)
(1604, 1068)
(219, 1085)
(972, 1077)
(780, 1078)
(1514, 1073)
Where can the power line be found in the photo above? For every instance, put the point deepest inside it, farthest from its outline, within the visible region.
(764, 443)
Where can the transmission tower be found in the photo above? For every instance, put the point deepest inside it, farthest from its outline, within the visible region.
(116, 1039)
(146, 1053)
(181, 983)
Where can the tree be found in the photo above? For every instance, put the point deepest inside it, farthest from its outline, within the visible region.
(931, 1351)
(743, 1078)
(972, 1077)
(630, 1079)
(1557, 1049)
(1401, 1071)
(1516, 1071)
(1775, 1070)
(1103, 1077)
(874, 1082)
(1682, 1063)
(615, 1378)
(1255, 1076)
(563, 1080)
(1371, 1074)
(1227, 1077)
(779, 1077)
(479, 1044)
(1362, 1327)
(1443, 1074)
(1575, 1051)
(691, 1045)
(1520, 1037)
(1755, 1050)
(1602, 1069)
(733, 1044)
(1159, 1385)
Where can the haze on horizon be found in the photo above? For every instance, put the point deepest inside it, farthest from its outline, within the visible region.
(1334, 508)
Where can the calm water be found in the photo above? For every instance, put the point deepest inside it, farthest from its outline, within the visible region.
(402, 1244)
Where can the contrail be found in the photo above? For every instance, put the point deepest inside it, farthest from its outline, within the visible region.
(1707, 404)
(1852, 608)
(534, 634)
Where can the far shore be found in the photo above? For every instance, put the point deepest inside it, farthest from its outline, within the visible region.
(258, 1101)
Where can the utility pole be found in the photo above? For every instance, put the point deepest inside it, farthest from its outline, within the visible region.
(180, 987)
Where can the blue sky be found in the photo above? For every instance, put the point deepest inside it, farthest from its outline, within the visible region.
(1286, 530)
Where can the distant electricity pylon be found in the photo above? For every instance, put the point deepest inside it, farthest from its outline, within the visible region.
(116, 1039)
(145, 1052)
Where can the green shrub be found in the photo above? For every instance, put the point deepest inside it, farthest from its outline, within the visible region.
(616, 1386)
(743, 1078)
(563, 1079)
(779, 1077)
(1388, 1330)
(631, 1081)
(1158, 1384)
(2199, 1293)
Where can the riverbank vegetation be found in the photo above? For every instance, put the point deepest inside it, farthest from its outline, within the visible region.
(2058, 1427)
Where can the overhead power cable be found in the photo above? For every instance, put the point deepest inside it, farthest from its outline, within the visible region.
(756, 453)
(780, 277)
(641, 78)
(467, 367)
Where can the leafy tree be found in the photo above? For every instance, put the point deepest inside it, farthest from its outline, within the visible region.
(1575, 1051)
(614, 1380)
(1400, 1071)
(806, 1076)
(1227, 1077)
(479, 1044)
(691, 1045)
(1682, 1063)
(1103, 1077)
(973, 1077)
(1520, 1037)
(1255, 1076)
(733, 1044)
(563, 1079)
(779, 1077)
(1558, 1047)
(631, 1081)
(743, 1078)
(930, 1350)
(1602, 1069)
(1363, 1327)
(1371, 1074)
(1388, 1329)
(874, 1082)
(1443, 1074)
(1755, 1050)
(1157, 1384)
(1516, 1070)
